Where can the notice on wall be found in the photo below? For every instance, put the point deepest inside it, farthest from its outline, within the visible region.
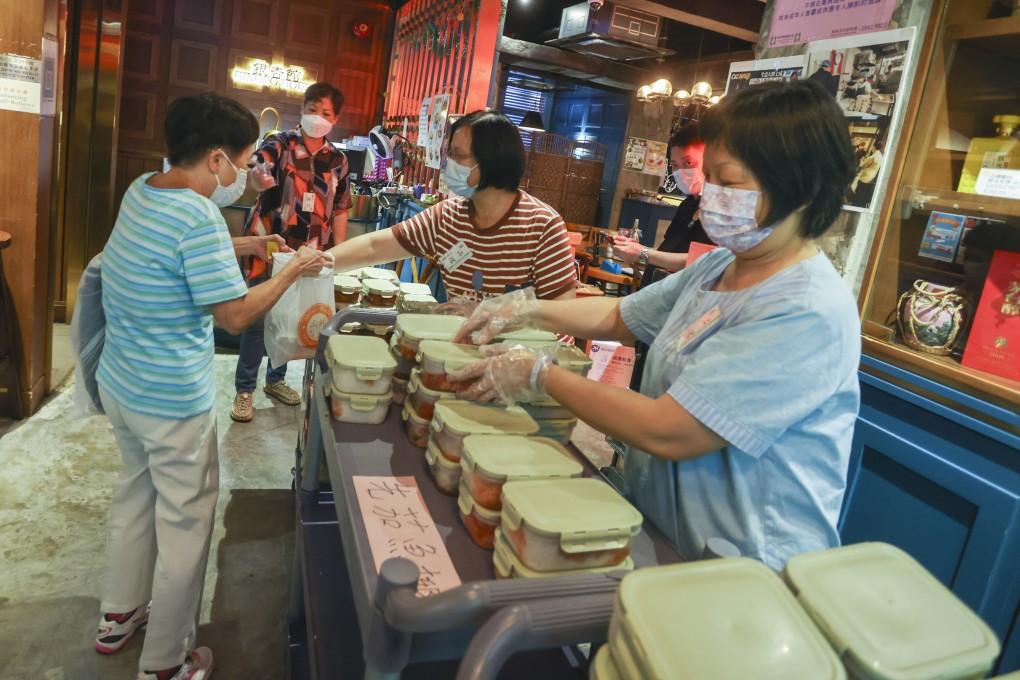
(634, 159)
(20, 83)
(423, 121)
(434, 146)
(1001, 182)
(800, 21)
(747, 73)
(612, 363)
(399, 525)
(656, 156)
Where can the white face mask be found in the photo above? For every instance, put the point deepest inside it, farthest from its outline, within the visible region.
(228, 195)
(315, 126)
(728, 217)
(688, 180)
(456, 176)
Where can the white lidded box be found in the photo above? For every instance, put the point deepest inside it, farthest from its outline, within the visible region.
(416, 426)
(418, 304)
(367, 409)
(508, 564)
(560, 524)
(481, 522)
(378, 273)
(887, 617)
(346, 289)
(603, 666)
(439, 359)
(549, 409)
(730, 618)
(490, 461)
(573, 359)
(529, 337)
(559, 429)
(453, 420)
(423, 398)
(378, 293)
(414, 289)
(359, 365)
(445, 473)
(411, 329)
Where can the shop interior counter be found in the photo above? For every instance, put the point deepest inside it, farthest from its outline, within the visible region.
(396, 627)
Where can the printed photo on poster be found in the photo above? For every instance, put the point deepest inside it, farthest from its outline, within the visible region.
(869, 139)
(941, 236)
(656, 155)
(634, 159)
(747, 73)
(423, 122)
(437, 131)
(799, 21)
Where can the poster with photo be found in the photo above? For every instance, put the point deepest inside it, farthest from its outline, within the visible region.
(437, 131)
(423, 122)
(655, 158)
(865, 75)
(634, 159)
(942, 235)
(747, 73)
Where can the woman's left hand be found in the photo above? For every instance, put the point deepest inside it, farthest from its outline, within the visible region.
(509, 374)
(626, 249)
(259, 246)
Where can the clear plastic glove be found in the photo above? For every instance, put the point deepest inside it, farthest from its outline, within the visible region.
(261, 176)
(510, 374)
(502, 314)
(459, 306)
(626, 249)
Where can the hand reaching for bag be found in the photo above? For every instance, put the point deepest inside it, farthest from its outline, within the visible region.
(510, 312)
(310, 262)
(510, 374)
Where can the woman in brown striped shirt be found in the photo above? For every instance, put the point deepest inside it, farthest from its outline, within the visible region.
(492, 237)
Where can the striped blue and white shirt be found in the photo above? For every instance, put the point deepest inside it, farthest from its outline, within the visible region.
(168, 259)
(774, 373)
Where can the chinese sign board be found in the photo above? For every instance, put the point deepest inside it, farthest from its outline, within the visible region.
(258, 74)
(20, 79)
(800, 21)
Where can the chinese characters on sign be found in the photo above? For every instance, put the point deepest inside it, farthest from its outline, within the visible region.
(263, 74)
(20, 79)
(399, 525)
(801, 21)
(747, 73)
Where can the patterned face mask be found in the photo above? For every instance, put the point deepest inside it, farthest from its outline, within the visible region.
(727, 216)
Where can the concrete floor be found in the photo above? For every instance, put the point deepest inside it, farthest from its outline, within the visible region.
(56, 478)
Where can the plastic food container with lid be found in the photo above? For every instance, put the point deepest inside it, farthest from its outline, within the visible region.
(603, 666)
(439, 359)
(558, 524)
(378, 293)
(414, 289)
(887, 617)
(404, 365)
(411, 329)
(367, 409)
(453, 420)
(529, 337)
(377, 273)
(423, 398)
(417, 427)
(350, 328)
(480, 522)
(490, 461)
(346, 289)
(418, 304)
(547, 410)
(359, 365)
(559, 429)
(573, 359)
(399, 390)
(379, 330)
(738, 621)
(509, 565)
(445, 474)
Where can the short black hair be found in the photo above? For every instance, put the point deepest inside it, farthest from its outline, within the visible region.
(880, 145)
(321, 90)
(196, 125)
(496, 145)
(793, 138)
(688, 135)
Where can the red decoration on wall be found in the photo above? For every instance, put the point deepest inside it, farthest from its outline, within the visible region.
(361, 29)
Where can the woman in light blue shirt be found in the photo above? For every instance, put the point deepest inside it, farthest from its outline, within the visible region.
(749, 396)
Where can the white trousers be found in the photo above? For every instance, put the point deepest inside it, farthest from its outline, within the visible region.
(160, 526)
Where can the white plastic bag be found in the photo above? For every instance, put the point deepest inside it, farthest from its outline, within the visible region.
(294, 322)
(88, 335)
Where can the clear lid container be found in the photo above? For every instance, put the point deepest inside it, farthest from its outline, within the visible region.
(738, 620)
(356, 273)
(416, 303)
(503, 458)
(369, 358)
(368, 273)
(547, 410)
(346, 284)
(528, 337)
(888, 617)
(467, 504)
(418, 327)
(573, 359)
(414, 289)
(509, 565)
(463, 418)
(448, 355)
(381, 287)
(585, 515)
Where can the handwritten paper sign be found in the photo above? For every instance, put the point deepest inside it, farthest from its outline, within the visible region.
(399, 525)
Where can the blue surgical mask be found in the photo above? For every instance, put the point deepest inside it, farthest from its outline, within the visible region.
(456, 176)
(228, 195)
(728, 217)
(687, 178)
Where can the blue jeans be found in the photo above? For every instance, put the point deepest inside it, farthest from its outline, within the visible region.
(253, 348)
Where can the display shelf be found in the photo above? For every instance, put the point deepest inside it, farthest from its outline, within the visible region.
(984, 29)
(930, 199)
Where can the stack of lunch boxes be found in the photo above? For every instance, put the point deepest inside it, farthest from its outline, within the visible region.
(563, 526)
(430, 383)
(360, 378)
(346, 291)
(410, 330)
(415, 298)
(866, 612)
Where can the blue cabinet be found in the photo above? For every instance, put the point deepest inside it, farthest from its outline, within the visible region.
(931, 475)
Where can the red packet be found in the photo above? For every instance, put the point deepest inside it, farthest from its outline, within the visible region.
(696, 250)
(994, 342)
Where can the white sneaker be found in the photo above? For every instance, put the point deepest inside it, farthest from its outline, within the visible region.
(198, 666)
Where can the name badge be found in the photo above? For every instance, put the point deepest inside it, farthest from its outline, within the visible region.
(308, 202)
(455, 256)
(697, 329)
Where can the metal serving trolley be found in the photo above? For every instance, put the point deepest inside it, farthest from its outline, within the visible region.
(347, 620)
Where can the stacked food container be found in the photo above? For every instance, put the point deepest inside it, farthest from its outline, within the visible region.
(410, 330)
(415, 298)
(360, 378)
(489, 461)
(346, 290)
(563, 526)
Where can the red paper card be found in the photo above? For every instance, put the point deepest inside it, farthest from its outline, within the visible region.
(994, 342)
(696, 250)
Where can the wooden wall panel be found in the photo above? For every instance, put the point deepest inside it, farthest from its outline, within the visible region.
(193, 65)
(201, 15)
(308, 28)
(141, 56)
(148, 10)
(256, 20)
(138, 116)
